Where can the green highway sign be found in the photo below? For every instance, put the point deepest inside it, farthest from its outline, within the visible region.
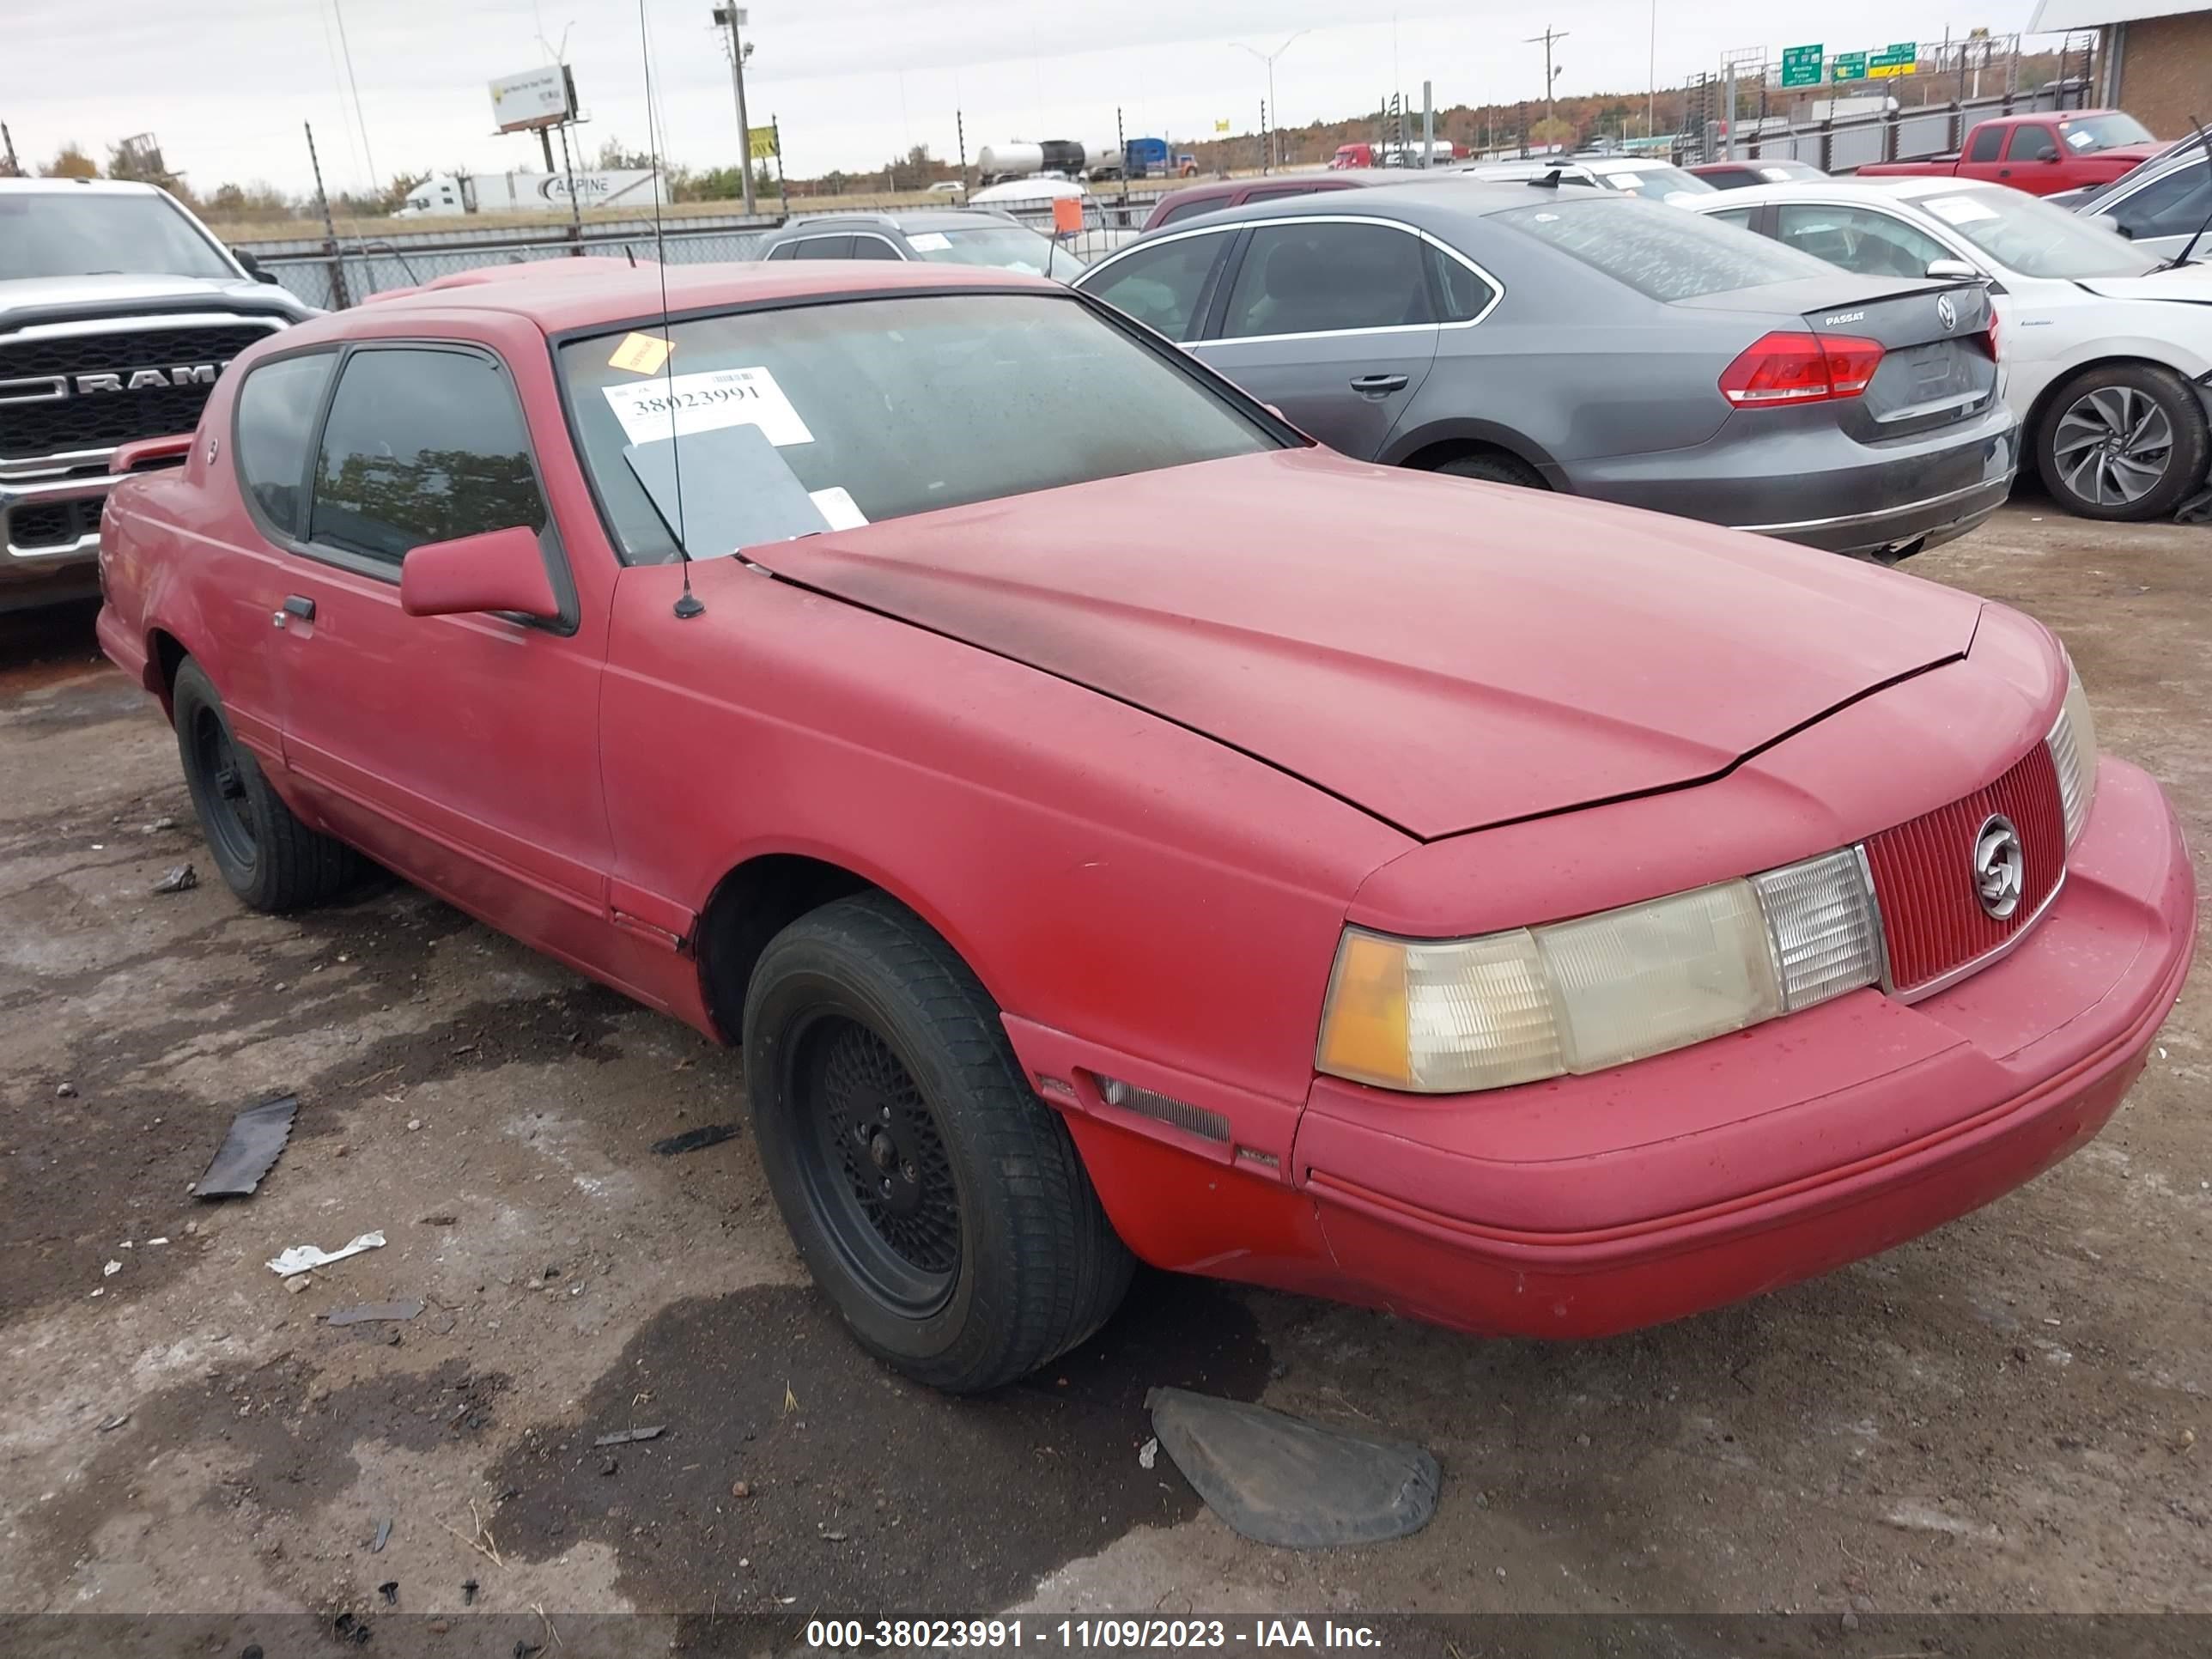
(1848, 66)
(1898, 58)
(1801, 66)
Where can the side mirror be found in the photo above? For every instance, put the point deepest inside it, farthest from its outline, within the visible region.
(499, 570)
(254, 268)
(2117, 227)
(1952, 270)
(2051, 159)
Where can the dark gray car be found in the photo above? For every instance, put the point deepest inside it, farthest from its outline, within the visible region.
(1595, 343)
(952, 236)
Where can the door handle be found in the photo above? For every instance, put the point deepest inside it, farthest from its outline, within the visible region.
(2004, 173)
(302, 608)
(1377, 385)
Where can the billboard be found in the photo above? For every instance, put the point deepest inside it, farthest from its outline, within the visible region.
(536, 98)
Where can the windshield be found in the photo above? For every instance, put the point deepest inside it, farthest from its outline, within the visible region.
(1663, 252)
(2027, 234)
(1009, 247)
(1656, 183)
(813, 417)
(62, 234)
(2086, 135)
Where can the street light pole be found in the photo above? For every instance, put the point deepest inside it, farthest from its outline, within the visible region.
(733, 18)
(1549, 35)
(1274, 157)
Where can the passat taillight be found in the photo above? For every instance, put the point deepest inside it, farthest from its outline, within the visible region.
(1801, 368)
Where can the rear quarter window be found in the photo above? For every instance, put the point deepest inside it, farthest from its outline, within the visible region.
(1663, 252)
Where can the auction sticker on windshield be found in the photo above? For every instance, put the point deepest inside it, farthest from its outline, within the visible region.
(684, 404)
(1961, 209)
(930, 241)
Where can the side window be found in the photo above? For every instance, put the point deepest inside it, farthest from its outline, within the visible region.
(784, 251)
(1462, 292)
(826, 247)
(1859, 238)
(1729, 178)
(1740, 217)
(422, 445)
(1304, 277)
(873, 247)
(276, 409)
(1985, 144)
(2032, 144)
(1160, 286)
(2173, 206)
(1190, 210)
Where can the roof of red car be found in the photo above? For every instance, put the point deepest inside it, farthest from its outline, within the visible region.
(564, 293)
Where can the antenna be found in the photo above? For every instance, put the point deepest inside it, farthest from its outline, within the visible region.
(690, 604)
(2190, 247)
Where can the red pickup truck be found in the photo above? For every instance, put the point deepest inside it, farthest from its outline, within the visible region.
(2041, 154)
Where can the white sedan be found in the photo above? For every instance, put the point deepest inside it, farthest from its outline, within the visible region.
(2107, 351)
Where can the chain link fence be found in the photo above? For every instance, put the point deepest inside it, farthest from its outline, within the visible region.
(334, 275)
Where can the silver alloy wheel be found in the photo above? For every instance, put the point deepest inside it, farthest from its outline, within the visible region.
(2114, 446)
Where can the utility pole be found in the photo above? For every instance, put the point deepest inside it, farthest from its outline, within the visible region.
(733, 18)
(1549, 35)
(9, 165)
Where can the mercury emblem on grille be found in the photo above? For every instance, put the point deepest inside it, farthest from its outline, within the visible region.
(1999, 866)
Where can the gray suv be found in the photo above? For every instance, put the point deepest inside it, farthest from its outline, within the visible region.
(952, 236)
(1590, 341)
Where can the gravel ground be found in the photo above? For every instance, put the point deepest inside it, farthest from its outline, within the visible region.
(2000, 1416)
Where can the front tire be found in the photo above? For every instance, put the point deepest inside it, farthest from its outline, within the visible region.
(2123, 443)
(270, 860)
(937, 1201)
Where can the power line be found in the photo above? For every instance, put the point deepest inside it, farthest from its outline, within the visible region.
(375, 178)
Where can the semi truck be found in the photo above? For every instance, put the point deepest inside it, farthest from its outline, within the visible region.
(1155, 158)
(450, 195)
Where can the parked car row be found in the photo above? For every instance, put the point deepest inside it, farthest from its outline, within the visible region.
(1596, 342)
(2107, 346)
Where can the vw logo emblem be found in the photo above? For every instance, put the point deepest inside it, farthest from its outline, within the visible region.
(2000, 867)
(1946, 312)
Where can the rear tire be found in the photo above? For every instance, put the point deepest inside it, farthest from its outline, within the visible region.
(1494, 467)
(266, 856)
(2123, 443)
(937, 1201)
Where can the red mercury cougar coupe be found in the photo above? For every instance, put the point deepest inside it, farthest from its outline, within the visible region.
(1114, 827)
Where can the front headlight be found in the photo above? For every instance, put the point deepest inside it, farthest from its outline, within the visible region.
(1449, 1017)
(2073, 743)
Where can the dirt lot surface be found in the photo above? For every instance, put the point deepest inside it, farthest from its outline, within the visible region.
(2001, 1416)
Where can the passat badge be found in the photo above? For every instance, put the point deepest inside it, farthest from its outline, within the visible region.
(2000, 867)
(1946, 312)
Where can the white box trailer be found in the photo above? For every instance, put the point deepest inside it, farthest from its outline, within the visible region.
(446, 195)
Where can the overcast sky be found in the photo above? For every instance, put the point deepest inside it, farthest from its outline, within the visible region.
(225, 84)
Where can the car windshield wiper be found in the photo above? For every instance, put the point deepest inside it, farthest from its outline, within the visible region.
(2189, 246)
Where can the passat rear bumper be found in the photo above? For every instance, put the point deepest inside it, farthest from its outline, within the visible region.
(1793, 476)
(1594, 1205)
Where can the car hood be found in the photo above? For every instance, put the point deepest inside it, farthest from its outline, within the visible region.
(24, 298)
(1441, 653)
(2189, 284)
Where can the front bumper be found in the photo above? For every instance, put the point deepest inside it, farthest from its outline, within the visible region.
(1589, 1206)
(49, 526)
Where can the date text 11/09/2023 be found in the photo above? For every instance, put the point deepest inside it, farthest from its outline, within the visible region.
(846, 1635)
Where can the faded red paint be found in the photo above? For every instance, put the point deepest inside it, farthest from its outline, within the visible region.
(1140, 748)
